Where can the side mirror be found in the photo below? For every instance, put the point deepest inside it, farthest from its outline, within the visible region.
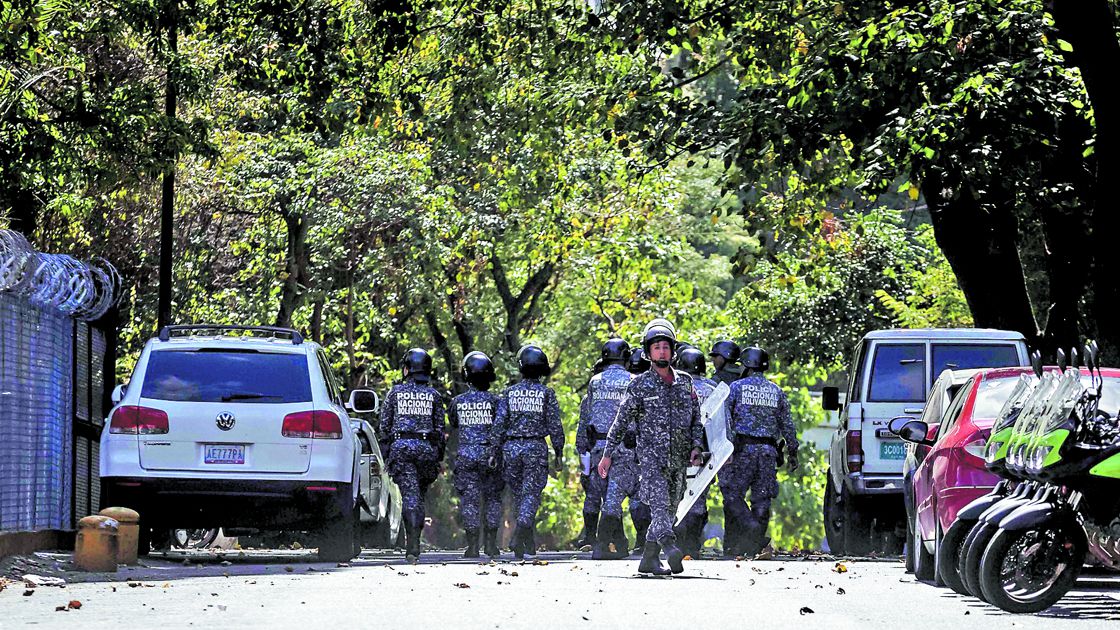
(915, 431)
(1062, 365)
(363, 401)
(897, 422)
(118, 394)
(830, 398)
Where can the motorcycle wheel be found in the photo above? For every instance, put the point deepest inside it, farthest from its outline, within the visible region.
(976, 544)
(193, 538)
(949, 554)
(1027, 571)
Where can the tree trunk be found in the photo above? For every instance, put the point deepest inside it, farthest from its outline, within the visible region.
(1088, 26)
(167, 205)
(291, 293)
(981, 247)
(521, 308)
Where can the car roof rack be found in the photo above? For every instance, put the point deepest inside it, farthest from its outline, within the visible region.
(166, 332)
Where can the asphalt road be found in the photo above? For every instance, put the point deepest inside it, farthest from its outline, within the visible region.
(285, 589)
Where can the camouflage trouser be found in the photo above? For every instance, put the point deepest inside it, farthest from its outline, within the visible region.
(594, 486)
(622, 483)
(753, 468)
(413, 467)
(480, 487)
(525, 465)
(661, 488)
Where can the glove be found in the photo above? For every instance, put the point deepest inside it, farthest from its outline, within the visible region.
(557, 464)
(792, 459)
(696, 458)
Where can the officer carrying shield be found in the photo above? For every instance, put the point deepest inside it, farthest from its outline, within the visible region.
(412, 418)
(596, 412)
(759, 415)
(528, 412)
(691, 529)
(479, 484)
(661, 408)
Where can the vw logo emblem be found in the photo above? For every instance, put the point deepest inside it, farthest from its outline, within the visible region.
(226, 421)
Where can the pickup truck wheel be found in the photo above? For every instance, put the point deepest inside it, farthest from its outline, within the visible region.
(380, 533)
(340, 538)
(833, 519)
(857, 530)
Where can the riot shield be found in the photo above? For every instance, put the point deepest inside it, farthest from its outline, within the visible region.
(713, 414)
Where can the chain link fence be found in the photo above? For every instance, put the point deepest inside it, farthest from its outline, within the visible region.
(57, 347)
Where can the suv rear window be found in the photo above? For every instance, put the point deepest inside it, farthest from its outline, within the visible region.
(898, 373)
(973, 355)
(227, 376)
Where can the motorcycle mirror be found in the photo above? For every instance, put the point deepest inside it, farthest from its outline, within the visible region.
(1074, 359)
(1061, 356)
(1036, 363)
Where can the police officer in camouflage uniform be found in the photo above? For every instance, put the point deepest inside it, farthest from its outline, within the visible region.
(479, 484)
(661, 408)
(596, 412)
(760, 417)
(724, 354)
(527, 413)
(691, 529)
(626, 475)
(412, 419)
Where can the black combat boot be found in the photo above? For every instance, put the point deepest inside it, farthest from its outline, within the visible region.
(491, 544)
(608, 527)
(590, 530)
(651, 560)
(529, 543)
(413, 527)
(517, 543)
(675, 557)
(472, 544)
(731, 538)
(641, 526)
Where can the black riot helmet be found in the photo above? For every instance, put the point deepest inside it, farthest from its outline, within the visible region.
(692, 361)
(417, 364)
(756, 359)
(478, 370)
(532, 362)
(727, 349)
(615, 350)
(658, 333)
(638, 362)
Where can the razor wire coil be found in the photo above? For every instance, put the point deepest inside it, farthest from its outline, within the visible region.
(82, 290)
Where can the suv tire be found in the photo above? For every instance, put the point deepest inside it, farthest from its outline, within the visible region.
(339, 538)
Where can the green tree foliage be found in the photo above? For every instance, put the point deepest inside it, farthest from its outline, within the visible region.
(475, 175)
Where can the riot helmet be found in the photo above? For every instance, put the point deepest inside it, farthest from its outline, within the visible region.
(478, 370)
(654, 334)
(638, 362)
(532, 362)
(692, 361)
(615, 350)
(417, 364)
(727, 349)
(756, 359)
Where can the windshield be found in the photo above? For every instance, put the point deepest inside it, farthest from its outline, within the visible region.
(227, 376)
(992, 396)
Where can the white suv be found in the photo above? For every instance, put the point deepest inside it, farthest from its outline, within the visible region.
(238, 427)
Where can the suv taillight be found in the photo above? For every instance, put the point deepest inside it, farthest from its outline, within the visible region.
(319, 425)
(854, 448)
(134, 420)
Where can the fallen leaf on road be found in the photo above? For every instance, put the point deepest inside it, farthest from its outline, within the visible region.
(805, 610)
(818, 586)
(840, 567)
(225, 563)
(540, 563)
(74, 604)
(28, 593)
(296, 545)
(343, 565)
(483, 573)
(513, 574)
(289, 569)
(575, 568)
(840, 591)
(462, 585)
(134, 585)
(60, 609)
(688, 557)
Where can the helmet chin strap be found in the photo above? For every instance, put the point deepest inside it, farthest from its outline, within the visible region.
(661, 364)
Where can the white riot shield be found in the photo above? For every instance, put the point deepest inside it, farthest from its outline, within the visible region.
(714, 416)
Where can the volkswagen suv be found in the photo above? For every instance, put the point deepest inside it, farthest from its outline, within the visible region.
(238, 427)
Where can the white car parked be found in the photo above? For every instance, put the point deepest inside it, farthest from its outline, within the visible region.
(236, 427)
